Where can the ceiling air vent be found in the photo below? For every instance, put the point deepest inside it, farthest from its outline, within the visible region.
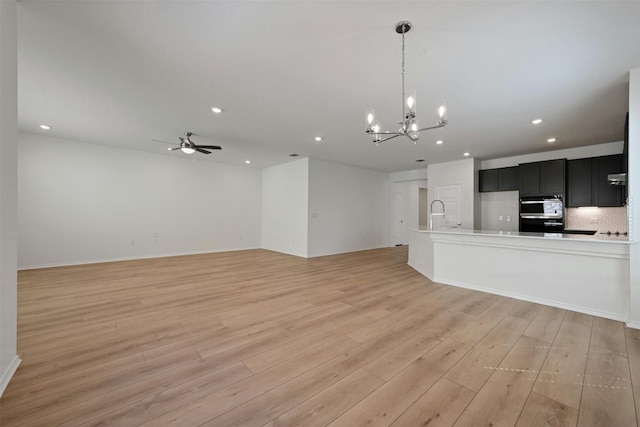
(293, 155)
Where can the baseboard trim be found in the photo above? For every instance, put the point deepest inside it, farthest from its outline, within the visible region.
(133, 258)
(543, 301)
(8, 374)
(633, 325)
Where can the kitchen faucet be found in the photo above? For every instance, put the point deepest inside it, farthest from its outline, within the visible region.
(432, 214)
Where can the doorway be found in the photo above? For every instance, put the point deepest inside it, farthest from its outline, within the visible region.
(398, 219)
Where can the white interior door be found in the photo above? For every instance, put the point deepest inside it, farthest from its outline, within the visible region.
(451, 196)
(398, 219)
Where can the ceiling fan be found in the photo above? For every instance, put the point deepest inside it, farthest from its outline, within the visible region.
(189, 147)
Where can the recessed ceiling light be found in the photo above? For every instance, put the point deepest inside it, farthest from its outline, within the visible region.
(551, 140)
(216, 110)
(318, 138)
(45, 127)
(248, 162)
(465, 154)
(536, 121)
(439, 141)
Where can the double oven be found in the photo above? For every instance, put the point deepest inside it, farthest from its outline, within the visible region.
(542, 214)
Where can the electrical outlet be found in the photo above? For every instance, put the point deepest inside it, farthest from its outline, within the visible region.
(501, 218)
(508, 217)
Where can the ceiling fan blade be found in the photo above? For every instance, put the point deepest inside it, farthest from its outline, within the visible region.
(175, 148)
(211, 147)
(164, 142)
(200, 150)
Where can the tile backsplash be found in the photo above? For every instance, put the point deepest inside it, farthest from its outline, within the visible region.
(600, 219)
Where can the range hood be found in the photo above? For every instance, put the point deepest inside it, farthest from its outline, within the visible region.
(621, 178)
(617, 178)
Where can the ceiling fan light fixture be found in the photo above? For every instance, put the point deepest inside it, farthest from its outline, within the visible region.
(409, 124)
(188, 150)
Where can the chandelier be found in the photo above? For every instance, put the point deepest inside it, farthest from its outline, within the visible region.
(409, 126)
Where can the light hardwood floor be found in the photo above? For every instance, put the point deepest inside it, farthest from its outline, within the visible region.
(258, 338)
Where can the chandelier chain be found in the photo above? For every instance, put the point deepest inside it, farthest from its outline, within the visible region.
(404, 114)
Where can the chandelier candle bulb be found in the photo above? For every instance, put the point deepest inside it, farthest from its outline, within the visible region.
(442, 112)
(371, 116)
(411, 102)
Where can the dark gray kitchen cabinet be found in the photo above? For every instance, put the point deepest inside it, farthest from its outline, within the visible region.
(605, 194)
(579, 183)
(546, 177)
(509, 179)
(488, 179)
(501, 179)
(587, 183)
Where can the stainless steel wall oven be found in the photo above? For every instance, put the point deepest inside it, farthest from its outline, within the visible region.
(542, 214)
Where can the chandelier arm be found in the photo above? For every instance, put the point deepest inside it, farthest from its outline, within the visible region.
(440, 125)
(387, 133)
(386, 139)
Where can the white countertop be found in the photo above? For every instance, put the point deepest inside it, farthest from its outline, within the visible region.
(551, 236)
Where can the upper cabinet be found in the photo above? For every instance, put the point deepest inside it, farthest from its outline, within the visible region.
(543, 177)
(587, 183)
(502, 179)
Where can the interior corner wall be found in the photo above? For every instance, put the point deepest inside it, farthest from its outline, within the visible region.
(477, 201)
(9, 359)
(348, 208)
(633, 205)
(456, 172)
(80, 203)
(285, 207)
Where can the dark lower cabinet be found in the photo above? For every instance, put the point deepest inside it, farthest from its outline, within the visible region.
(542, 177)
(501, 179)
(587, 183)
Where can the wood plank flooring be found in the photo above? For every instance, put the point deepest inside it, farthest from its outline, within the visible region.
(258, 338)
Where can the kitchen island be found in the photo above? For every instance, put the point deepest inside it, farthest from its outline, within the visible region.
(588, 274)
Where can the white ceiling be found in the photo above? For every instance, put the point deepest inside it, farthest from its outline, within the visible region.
(126, 72)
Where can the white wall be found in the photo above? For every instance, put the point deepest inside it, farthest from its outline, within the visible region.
(633, 180)
(9, 360)
(82, 203)
(569, 153)
(456, 172)
(285, 207)
(348, 208)
(498, 204)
